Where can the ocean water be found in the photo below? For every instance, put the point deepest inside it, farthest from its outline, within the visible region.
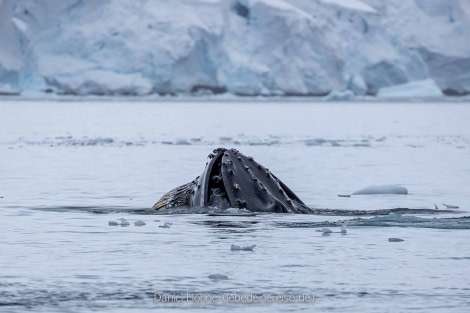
(68, 168)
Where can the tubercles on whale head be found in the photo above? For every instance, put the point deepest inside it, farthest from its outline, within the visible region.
(216, 187)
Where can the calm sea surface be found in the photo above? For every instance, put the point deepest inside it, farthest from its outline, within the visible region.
(68, 168)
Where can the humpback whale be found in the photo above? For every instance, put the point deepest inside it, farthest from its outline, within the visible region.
(234, 180)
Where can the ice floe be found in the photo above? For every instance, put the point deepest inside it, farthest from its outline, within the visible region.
(242, 248)
(395, 239)
(426, 88)
(382, 189)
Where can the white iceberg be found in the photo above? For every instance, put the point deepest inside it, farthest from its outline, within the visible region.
(382, 189)
(124, 222)
(242, 248)
(139, 223)
(426, 88)
(166, 225)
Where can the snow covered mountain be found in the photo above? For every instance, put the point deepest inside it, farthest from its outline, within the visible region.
(243, 47)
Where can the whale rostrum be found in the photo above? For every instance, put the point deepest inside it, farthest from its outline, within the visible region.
(234, 180)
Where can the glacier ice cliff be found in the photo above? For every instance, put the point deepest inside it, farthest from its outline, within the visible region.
(242, 47)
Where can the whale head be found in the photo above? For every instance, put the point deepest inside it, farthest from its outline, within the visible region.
(231, 179)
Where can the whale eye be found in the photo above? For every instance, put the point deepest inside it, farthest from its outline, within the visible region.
(239, 158)
(230, 163)
(246, 168)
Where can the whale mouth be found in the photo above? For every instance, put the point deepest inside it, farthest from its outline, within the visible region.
(218, 196)
(234, 180)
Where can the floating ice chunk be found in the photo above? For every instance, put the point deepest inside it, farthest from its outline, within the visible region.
(426, 88)
(395, 239)
(242, 248)
(139, 223)
(124, 222)
(450, 206)
(113, 223)
(218, 276)
(339, 95)
(382, 189)
(325, 231)
(166, 225)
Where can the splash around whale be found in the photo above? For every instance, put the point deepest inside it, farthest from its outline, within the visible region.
(234, 180)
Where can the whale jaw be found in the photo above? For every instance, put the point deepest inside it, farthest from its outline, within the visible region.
(232, 179)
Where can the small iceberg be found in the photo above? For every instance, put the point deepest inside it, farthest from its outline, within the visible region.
(336, 95)
(425, 88)
(242, 248)
(113, 223)
(166, 225)
(382, 190)
(450, 206)
(325, 231)
(395, 239)
(124, 222)
(139, 223)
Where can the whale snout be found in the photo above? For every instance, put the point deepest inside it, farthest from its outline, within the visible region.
(231, 179)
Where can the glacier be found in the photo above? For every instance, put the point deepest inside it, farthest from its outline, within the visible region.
(239, 47)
